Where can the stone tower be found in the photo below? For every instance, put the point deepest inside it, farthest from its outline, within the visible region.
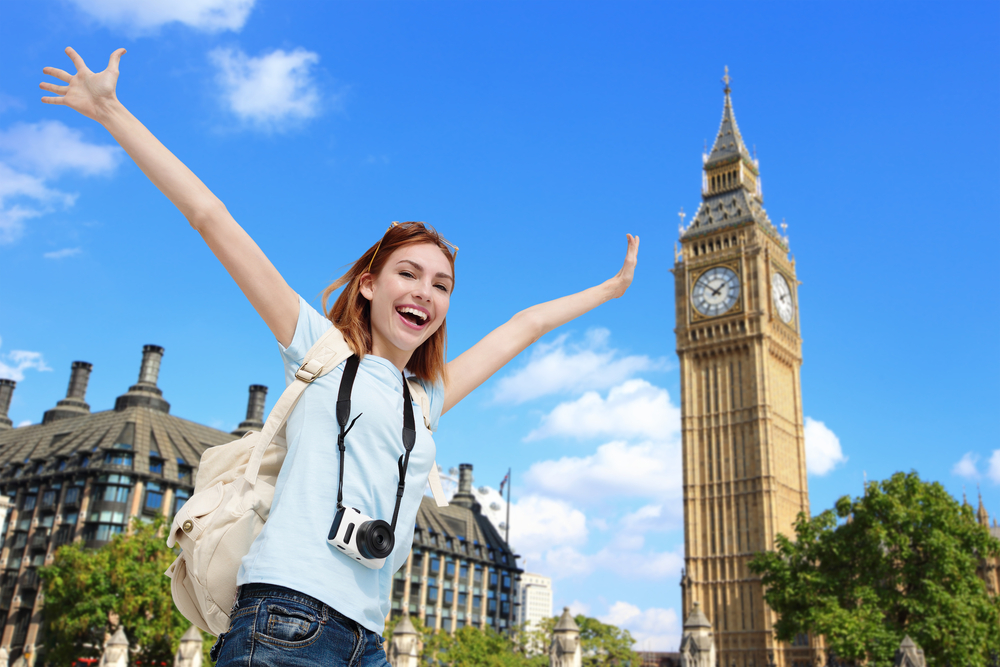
(737, 316)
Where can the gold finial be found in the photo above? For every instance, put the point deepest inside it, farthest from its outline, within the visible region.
(726, 79)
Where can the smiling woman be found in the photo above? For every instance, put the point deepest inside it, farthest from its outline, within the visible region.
(301, 601)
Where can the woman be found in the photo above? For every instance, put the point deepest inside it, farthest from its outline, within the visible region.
(301, 602)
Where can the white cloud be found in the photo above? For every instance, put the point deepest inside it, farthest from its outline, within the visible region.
(616, 469)
(538, 524)
(823, 452)
(967, 466)
(634, 409)
(50, 148)
(59, 254)
(33, 154)
(147, 15)
(26, 422)
(271, 90)
(653, 629)
(23, 197)
(560, 367)
(576, 607)
(993, 471)
(14, 363)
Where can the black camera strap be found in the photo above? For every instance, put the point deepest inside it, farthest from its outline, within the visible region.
(344, 414)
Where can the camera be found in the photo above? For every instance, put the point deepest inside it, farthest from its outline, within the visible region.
(366, 540)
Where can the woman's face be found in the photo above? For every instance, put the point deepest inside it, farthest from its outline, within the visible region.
(409, 300)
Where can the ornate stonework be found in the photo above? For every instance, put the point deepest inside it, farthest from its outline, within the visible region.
(740, 353)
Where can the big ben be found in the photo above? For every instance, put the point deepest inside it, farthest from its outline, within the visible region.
(740, 350)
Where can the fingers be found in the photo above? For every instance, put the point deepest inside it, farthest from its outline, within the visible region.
(77, 60)
(115, 59)
(54, 100)
(62, 75)
(53, 88)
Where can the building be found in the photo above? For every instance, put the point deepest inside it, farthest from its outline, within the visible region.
(460, 571)
(82, 476)
(989, 568)
(740, 350)
(535, 599)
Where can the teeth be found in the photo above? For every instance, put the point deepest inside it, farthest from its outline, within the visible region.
(413, 311)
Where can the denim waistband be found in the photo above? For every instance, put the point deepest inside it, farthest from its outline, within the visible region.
(275, 591)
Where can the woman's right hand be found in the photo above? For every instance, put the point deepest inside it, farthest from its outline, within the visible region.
(88, 93)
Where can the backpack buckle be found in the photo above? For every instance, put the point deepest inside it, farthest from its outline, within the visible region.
(309, 371)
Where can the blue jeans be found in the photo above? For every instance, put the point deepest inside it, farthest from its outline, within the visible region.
(274, 626)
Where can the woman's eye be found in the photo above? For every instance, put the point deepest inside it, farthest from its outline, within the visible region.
(443, 288)
(406, 274)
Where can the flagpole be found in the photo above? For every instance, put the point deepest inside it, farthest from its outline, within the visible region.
(506, 537)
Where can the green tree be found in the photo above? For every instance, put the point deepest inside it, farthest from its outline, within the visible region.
(900, 560)
(86, 588)
(601, 644)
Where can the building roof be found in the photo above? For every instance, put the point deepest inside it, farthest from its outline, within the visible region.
(566, 622)
(696, 619)
(728, 209)
(140, 422)
(467, 524)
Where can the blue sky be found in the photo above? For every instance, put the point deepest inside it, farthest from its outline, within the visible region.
(534, 135)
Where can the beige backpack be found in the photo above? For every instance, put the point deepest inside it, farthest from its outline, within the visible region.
(232, 498)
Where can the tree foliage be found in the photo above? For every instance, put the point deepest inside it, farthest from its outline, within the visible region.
(87, 589)
(900, 560)
(602, 645)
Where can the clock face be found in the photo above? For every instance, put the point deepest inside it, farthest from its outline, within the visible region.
(716, 291)
(782, 297)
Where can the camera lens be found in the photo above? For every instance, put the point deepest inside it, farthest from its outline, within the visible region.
(375, 539)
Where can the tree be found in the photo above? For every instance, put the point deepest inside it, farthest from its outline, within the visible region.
(601, 644)
(900, 560)
(87, 589)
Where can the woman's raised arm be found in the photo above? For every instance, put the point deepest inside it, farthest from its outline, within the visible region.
(492, 353)
(93, 95)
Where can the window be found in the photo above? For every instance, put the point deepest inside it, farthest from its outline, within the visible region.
(47, 521)
(432, 594)
(493, 579)
(477, 602)
(506, 581)
(462, 600)
(49, 498)
(431, 621)
(70, 518)
(463, 573)
(479, 575)
(29, 503)
(72, 496)
(449, 568)
(154, 498)
(449, 597)
(155, 465)
(435, 565)
(84, 460)
(117, 457)
(62, 464)
(180, 498)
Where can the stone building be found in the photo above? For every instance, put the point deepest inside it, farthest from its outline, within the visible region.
(82, 476)
(740, 351)
(989, 568)
(460, 571)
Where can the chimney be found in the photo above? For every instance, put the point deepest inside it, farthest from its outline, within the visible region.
(6, 391)
(145, 393)
(74, 404)
(255, 411)
(464, 496)
(152, 355)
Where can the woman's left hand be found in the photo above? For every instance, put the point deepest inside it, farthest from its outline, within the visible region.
(623, 279)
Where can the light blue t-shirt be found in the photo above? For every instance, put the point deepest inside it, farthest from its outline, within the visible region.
(292, 550)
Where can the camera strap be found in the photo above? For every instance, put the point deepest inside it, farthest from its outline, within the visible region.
(344, 414)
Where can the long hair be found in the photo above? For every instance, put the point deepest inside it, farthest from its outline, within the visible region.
(351, 312)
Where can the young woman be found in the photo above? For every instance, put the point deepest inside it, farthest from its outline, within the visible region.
(301, 602)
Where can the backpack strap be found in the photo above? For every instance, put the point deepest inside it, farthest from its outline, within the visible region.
(434, 477)
(323, 357)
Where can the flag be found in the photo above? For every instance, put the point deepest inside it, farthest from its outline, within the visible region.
(504, 481)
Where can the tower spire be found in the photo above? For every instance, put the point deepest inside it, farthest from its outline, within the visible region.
(729, 141)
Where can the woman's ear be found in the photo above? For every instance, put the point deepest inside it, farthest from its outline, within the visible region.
(365, 285)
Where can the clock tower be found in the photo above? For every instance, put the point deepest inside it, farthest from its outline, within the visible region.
(740, 351)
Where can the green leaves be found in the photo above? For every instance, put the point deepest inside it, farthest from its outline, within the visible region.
(88, 591)
(901, 560)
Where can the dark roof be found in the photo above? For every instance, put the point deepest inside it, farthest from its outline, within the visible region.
(458, 521)
(146, 429)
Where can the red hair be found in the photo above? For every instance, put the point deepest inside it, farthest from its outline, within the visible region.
(351, 312)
